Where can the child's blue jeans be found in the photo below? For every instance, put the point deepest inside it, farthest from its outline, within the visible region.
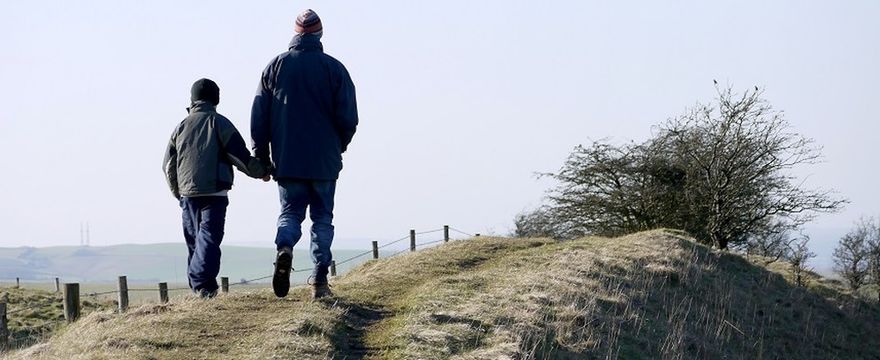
(203, 221)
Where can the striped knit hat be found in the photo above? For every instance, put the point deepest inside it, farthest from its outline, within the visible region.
(308, 23)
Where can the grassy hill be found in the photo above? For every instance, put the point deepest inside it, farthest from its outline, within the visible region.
(650, 295)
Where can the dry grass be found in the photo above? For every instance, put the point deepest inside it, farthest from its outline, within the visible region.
(649, 295)
(245, 326)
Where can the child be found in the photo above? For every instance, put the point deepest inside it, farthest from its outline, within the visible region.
(198, 167)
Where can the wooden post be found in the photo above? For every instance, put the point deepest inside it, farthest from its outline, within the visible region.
(4, 328)
(445, 233)
(412, 240)
(57, 285)
(163, 292)
(375, 249)
(224, 284)
(122, 291)
(71, 301)
(333, 268)
(17, 283)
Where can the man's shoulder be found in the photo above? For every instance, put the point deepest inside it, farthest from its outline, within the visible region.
(333, 60)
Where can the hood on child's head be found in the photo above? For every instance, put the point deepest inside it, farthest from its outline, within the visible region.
(206, 90)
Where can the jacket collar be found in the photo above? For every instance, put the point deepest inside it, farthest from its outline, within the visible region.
(305, 42)
(202, 106)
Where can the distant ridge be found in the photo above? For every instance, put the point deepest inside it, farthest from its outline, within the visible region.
(140, 262)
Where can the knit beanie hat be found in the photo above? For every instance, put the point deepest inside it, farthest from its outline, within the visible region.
(207, 90)
(308, 23)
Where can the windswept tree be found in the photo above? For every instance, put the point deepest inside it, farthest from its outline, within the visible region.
(538, 223)
(851, 257)
(739, 154)
(722, 172)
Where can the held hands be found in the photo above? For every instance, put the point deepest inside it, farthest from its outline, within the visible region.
(269, 170)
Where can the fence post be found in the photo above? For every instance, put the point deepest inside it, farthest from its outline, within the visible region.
(445, 233)
(17, 283)
(412, 240)
(375, 249)
(224, 284)
(122, 290)
(57, 285)
(4, 329)
(333, 268)
(71, 301)
(163, 292)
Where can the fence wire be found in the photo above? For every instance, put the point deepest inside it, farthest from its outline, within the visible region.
(30, 335)
(461, 232)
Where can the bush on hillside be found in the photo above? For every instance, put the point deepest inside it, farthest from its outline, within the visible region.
(851, 255)
(857, 256)
(798, 256)
(721, 172)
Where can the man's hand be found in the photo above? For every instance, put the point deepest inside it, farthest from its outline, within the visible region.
(269, 170)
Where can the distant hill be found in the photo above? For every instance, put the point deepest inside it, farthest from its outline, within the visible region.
(654, 295)
(140, 263)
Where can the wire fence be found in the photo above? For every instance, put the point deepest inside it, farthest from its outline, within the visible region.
(35, 333)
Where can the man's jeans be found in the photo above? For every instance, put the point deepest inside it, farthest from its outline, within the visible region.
(317, 195)
(203, 222)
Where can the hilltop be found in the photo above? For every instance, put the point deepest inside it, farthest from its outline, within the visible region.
(651, 295)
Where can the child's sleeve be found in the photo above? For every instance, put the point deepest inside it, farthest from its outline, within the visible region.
(236, 150)
(169, 166)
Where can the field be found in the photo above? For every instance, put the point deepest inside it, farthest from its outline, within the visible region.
(142, 264)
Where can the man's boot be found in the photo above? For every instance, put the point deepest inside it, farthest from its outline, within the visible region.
(321, 291)
(281, 277)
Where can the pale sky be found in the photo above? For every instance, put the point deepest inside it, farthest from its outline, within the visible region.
(460, 102)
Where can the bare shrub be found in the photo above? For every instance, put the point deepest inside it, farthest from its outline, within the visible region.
(798, 255)
(851, 258)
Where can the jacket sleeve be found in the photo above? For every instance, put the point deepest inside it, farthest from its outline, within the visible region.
(261, 112)
(169, 166)
(236, 151)
(346, 115)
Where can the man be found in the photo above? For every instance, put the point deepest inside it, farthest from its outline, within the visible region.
(305, 111)
(198, 168)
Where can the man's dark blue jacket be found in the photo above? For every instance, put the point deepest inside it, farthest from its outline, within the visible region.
(306, 110)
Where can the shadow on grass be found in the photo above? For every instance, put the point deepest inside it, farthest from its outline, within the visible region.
(349, 337)
(709, 304)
